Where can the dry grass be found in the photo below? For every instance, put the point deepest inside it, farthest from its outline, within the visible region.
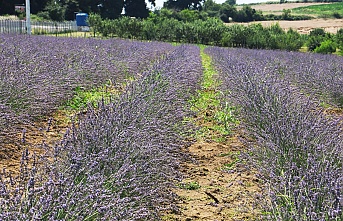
(9, 17)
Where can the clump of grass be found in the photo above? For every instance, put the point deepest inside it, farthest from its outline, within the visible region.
(192, 185)
(232, 164)
(234, 160)
(83, 97)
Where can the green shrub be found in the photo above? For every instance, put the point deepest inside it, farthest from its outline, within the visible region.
(291, 41)
(339, 39)
(326, 47)
(41, 16)
(317, 32)
(316, 37)
(226, 40)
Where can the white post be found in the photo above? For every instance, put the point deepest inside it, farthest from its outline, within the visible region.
(28, 19)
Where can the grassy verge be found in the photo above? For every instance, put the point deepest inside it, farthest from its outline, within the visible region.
(215, 118)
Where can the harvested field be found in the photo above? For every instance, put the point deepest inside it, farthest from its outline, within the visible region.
(305, 26)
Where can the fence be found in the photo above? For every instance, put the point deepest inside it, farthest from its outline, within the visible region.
(44, 27)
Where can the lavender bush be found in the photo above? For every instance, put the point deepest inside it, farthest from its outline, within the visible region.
(317, 75)
(297, 148)
(119, 161)
(38, 73)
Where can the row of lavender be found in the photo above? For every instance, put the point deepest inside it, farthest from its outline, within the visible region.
(39, 73)
(119, 162)
(297, 148)
(319, 76)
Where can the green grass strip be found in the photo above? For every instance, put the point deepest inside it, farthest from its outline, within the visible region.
(215, 118)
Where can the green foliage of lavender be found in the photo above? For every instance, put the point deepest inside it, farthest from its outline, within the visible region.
(38, 73)
(119, 161)
(297, 148)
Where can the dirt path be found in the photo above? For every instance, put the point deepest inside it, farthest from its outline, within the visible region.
(218, 186)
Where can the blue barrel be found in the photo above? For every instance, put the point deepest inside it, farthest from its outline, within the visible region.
(81, 19)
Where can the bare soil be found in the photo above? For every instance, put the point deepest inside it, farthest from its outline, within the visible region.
(227, 189)
(38, 136)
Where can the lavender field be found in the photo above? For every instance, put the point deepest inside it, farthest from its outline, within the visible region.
(297, 146)
(121, 159)
(38, 74)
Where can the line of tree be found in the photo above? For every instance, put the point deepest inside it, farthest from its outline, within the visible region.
(111, 9)
(65, 9)
(211, 31)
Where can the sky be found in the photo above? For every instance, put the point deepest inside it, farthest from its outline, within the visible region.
(159, 3)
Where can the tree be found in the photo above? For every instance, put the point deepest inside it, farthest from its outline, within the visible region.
(136, 8)
(7, 6)
(286, 14)
(55, 10)
(111, 9)
(247, 14)
(188, 15)
(71, 6)
(317, 32)
(212, 8)
(37, 5)
(326, 47)
(89, 6)
(230, 2)
(184, 4)
(94, 21)
(227, 11)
